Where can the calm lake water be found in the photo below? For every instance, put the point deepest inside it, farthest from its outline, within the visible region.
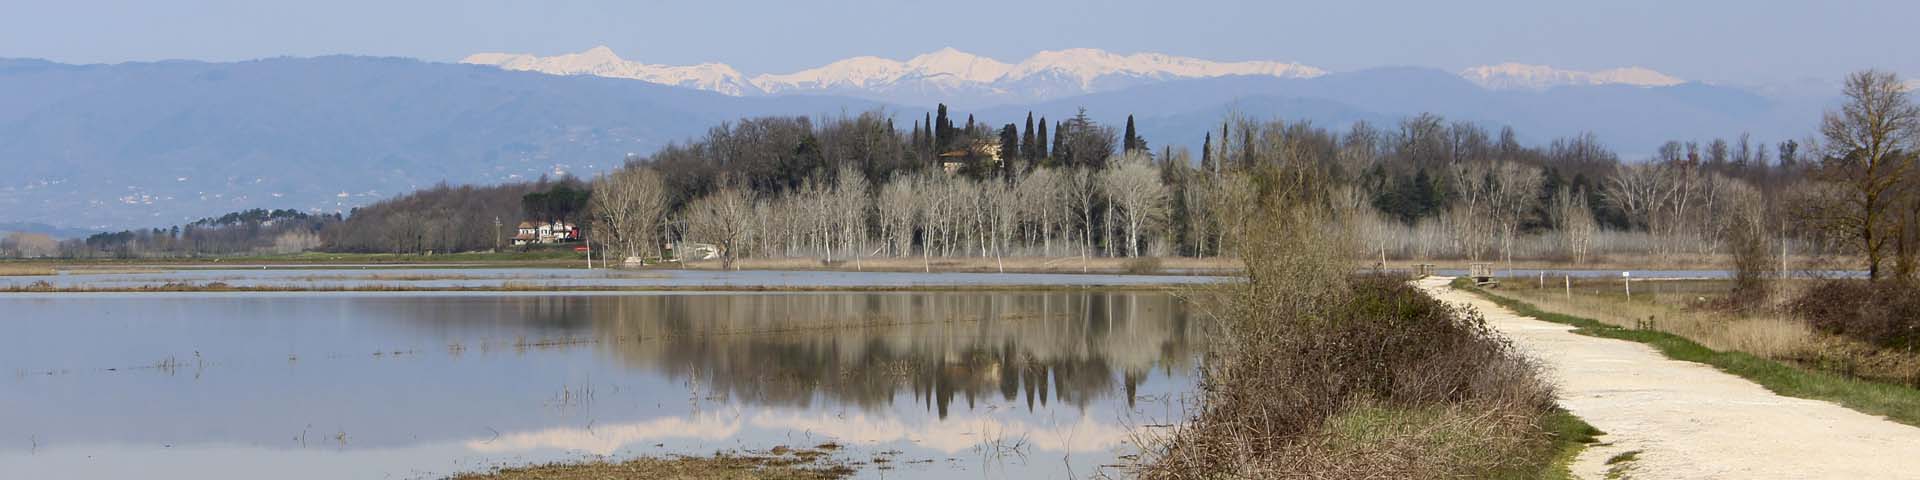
(340, 385)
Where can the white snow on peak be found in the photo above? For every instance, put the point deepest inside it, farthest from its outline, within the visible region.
(1518, 76)
(601, 61)
(948, 67)
(1087, 64)
(856, 72)
(960, 65)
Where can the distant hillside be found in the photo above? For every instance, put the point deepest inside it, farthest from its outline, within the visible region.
(142, 144)
(148, 144)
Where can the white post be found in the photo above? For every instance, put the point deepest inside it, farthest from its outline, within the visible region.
(1543, 279)
(1569, 279)
(1628, 278)
(589, 253)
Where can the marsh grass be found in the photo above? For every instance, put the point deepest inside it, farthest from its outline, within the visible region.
(24, 270)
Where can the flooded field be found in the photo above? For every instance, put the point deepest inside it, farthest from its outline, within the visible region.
(420, 385)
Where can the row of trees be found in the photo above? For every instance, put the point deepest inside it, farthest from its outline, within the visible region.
(245, 232)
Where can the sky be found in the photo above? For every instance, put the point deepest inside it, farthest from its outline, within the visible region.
(1722, 41)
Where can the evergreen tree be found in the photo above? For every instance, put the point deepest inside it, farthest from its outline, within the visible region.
(1206, 155)
(1009, 149)
(1026, 141)
(919, 144)
(1060, 154)
(926, 144)
(1131, 140)
(969, 131)
(1040, 152)
(1226, 154)
(942, 131)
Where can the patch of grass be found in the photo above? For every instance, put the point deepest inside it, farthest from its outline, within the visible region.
(1898, 403)
(21, 270)
(1619, 465)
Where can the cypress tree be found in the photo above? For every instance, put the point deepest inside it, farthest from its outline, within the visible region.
(969, 130)
(942, 130)
(1060, 153)
(1009, 147)
(1206, 155)
(1040, 142)
(1226, 151)
(1131, 140)
(1026, 140)
(917, 139)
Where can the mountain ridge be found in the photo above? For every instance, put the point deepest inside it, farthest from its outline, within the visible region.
(955, 76)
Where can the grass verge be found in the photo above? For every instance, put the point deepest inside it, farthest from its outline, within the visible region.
(1897, 403)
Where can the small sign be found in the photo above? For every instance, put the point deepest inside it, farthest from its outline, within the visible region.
(580, 249)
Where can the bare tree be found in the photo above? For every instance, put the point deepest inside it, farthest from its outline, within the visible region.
(627, 206)
(1516, 191)
(1869, 148)
(1083, 186)
(1133, 187)
(723, 217)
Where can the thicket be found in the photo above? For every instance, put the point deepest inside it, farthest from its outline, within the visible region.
(1321, 374)
(1885, 314)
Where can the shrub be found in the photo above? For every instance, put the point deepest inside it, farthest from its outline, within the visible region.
(1143, 265)
(1886, 314)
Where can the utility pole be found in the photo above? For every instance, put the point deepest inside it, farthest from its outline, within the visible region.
(496, 233)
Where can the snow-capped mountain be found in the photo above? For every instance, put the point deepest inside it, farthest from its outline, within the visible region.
(1517, 76)
(601, 61)
(944, 75)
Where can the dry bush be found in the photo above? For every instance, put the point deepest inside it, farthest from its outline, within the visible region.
(1144, 265)
(1886, 314)
(1321, 374)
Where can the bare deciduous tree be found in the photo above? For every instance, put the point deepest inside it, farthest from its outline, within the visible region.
(627, 206)
(1869, 148)
(1133, 187)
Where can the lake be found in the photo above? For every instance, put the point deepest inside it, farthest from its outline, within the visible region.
(420, 385)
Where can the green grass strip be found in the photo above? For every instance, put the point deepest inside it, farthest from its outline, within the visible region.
(1895, 402)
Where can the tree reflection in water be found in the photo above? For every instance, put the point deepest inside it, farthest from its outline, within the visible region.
(862, 349)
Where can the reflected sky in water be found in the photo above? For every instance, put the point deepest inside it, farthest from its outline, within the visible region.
(421, 385)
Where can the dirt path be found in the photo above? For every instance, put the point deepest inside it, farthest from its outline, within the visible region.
(1689, 420)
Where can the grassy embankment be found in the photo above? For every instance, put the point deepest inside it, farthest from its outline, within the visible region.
(1780, 353)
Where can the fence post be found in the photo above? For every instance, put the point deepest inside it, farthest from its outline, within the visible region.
(1628, 278)
(1569, 279)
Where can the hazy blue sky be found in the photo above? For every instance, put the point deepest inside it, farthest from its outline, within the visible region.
(1730, 41)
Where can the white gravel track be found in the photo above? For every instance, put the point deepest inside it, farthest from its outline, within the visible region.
(1688, 420)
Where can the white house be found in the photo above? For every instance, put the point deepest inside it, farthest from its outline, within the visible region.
(546, 232)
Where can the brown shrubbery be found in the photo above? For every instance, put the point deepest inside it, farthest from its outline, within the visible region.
(1321, 374)
(1886, 314)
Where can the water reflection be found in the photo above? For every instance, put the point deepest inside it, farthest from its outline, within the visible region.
(455, 380)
